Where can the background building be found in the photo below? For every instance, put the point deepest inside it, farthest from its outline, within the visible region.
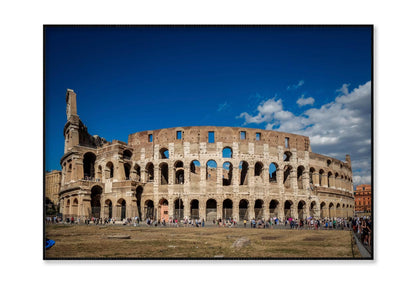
(363, 198)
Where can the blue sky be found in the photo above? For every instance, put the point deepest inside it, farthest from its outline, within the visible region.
(314, 81)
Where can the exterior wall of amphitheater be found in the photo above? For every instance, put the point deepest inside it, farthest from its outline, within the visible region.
(200, 172)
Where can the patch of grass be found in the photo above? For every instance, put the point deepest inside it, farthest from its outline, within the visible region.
(80, 241)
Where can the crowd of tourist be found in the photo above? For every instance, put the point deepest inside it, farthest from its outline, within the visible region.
(362, 227)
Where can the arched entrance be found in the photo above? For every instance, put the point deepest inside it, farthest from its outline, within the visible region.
(108, 209)
(258, 209)
(288, 209)
(194, 209)
(227, 209)
(121, 208)
(301, 210)
(149, 209)
(139, 192)
(273, 208)
(211, 210)
(243, 209)
(243, 167)
(179, 209)
(96, 192)
(164, 210)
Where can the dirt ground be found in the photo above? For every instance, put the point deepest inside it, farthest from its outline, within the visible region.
(82, 241)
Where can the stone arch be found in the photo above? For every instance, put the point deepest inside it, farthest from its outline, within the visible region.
(108, 208)
(127, 154)
(121, 208)
(243, 210)
(286, 176)
(299, 176)
(330, 180)
(96, 193)
(150, 172)
(211, 174)
(195, 171)
(109, 170)
(194, 209)
(288, 206)
(127, 168)
(258, 169)
(258, 209)
(99, 172)
(301, 209)
(136, 173)
(227, 209)
(273, 167)
(163, 153)
(139, 193)
(227, 173)
(338, 210)
(313, 210)
(321, 172)
(179, 172)
(164, 210)
(164, 173)
(323, 210)
(274, 208)
(311, 176)
(243, 167)
(88, 165)
(179, 209)
(211, 209)
(149, 209)
(287, 156)
(331, 212)
(227, 152)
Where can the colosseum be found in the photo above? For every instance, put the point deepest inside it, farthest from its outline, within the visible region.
(203, 172)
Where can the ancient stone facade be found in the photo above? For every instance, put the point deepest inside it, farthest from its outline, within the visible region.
(53, 185)
(200, 172)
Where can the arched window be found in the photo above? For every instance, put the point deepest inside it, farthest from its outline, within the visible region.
(286, 174)
(127, 154)
(287, 155)
(300, 171)
(149, 172)
(127, 168)
(109, 170)
(273, 172)
(227, 152)
(258, 169)
(211, 171)
(227, 174)
(195, 169)
(88, 164)
(164, 153)
(164, 173)
(243, 167)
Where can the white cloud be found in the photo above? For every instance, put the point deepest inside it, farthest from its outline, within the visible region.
(340, 127)
(296, 86)
(305, 101)
(223, 106)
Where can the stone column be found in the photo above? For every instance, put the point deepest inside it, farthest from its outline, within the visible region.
(202, 209)
(250, 208)
(219, 210)
(324, 180)
(186, 207)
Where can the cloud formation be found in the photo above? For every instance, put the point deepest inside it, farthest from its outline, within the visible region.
(296, 86)
(340, 127)
(305, 101)
(223, 106)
